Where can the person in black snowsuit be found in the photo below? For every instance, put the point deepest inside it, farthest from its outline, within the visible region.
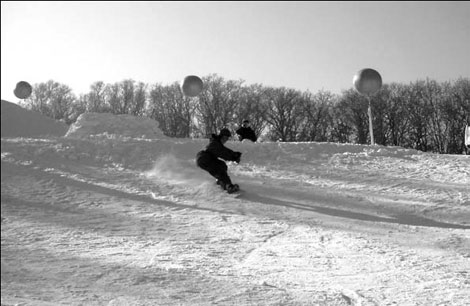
(246, 132)
(208, 159)
(467, 138)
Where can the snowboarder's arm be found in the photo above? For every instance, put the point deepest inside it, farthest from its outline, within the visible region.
(218, 150)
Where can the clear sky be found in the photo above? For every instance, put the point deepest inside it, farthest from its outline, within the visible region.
(302, 45)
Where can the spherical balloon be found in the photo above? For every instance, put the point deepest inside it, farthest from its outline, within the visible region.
(367, 81)
(192, 86)
(23, 90)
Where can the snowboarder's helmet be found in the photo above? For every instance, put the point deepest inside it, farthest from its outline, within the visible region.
(225, 132)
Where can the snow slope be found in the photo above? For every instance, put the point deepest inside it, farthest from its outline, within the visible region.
(19, 122)
(115, 213)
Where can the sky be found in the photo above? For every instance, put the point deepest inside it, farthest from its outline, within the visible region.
(303, 45)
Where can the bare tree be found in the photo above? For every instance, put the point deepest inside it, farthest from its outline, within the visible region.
(452, 108)
(217, 104)
(52, 99)
(96, 98)
(396, 119)
(140, 97)
(172, 110)
(78, 108)
(121, 97)
(353, 110)
(419, 113)
(284, 113)
(318, 122)
(424, 115)
(114, 98)
(127, 99)
(460, 99)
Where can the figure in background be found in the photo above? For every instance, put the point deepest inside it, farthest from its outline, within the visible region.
(467, 139)
(246, 132)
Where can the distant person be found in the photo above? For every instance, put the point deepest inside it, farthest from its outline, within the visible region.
(246, 132)
(208, 159)
(467, 139)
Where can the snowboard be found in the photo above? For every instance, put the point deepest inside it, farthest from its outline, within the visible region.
(235, 192)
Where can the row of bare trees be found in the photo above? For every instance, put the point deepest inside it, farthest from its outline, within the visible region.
(426, 115)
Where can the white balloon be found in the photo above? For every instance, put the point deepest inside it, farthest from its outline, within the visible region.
(23, 90)
(192, 85)
(367, 81)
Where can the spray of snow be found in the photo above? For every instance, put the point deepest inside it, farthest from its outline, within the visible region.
(177, 171)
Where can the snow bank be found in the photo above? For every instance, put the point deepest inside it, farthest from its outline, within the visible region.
(20, 122)
(112, 126)
(137, 143)
(310, 152)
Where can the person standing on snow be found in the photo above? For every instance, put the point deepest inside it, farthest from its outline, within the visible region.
(467, 139)
(208, 159)
(246, 132)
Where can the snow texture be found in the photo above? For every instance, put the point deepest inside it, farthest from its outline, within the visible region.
(19, 122)
(112, 212)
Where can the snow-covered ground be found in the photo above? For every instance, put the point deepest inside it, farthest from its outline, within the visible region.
(112, 212)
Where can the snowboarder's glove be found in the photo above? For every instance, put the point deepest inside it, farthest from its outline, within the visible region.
(238, 156)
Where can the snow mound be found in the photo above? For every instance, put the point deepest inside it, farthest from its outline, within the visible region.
(302, 153)
(20, 122)
(114, 126)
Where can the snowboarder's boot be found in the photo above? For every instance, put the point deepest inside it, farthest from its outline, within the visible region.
(233, 188)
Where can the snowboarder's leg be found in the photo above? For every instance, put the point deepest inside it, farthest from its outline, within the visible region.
(217, 169)
(220, 173)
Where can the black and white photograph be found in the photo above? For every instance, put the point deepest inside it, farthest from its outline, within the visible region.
(271, 153)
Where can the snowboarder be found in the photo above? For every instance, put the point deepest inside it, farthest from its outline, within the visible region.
(246, 132)
(208, 159)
